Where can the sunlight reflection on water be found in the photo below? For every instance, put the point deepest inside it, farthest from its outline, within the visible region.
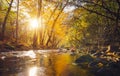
(35, 71)
(30, 54)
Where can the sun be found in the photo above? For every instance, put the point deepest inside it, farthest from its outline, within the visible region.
(33, 23)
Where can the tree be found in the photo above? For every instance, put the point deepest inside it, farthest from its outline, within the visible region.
(109, 9)
(55, 20)
(78, 33)
(17, 21)
(4, 22)
(49, 25)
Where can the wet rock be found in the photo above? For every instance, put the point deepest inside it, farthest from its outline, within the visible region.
(93, 64)
(104, 49)
(98, 54)
(92, 51)
(84, 58)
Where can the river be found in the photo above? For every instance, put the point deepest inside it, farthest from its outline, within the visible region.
(39, 63)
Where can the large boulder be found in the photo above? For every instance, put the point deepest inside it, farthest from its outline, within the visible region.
(84, 58)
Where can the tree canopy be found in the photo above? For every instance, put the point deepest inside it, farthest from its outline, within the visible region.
(51, 23)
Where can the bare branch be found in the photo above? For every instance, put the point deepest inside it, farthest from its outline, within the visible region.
(102, 6)
(93, 11)
(8, 2)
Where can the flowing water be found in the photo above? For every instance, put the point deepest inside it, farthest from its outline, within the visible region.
(39, 63)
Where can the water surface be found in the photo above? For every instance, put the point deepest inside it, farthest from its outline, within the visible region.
(39, 63)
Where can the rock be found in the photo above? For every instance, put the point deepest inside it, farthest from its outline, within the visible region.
(93, 64)
(93, 51)
(98, 54)
(84, 58)
(100, 65)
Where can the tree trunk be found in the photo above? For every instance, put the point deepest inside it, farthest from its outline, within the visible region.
(17, 23)
(4, 22)
(35, 39)
(54, 23)
(40, 23)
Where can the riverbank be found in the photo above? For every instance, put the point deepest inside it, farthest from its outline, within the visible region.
(104, 65)
(12, 46)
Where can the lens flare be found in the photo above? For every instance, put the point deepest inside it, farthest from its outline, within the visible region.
(33, 23)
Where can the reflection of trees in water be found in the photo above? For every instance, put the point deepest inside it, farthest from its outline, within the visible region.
(61, 65)
(48, 61)
(51, 65)
(41, 60)
(58, 63)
